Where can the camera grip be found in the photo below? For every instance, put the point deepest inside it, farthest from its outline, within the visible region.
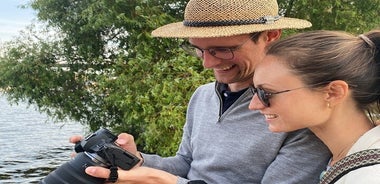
(120, 157)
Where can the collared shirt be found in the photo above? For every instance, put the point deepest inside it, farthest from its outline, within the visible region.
(229, 97)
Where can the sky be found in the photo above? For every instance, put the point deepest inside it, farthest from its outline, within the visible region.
(13, 18)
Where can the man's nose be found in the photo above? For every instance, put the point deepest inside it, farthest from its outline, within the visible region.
(209, 61)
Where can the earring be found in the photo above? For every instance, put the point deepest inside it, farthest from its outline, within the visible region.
(328, 104)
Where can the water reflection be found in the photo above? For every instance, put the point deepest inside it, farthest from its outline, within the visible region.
(31, 145)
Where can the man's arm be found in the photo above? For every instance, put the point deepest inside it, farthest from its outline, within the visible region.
(300, 160)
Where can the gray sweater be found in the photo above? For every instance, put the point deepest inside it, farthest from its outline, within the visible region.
(236, 147)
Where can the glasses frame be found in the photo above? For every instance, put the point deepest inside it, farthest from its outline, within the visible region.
(264, 96)
(199, 52)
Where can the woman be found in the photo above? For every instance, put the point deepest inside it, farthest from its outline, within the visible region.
(329, 82)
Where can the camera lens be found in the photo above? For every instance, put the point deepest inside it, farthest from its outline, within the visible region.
(97, 149)
(73, 171)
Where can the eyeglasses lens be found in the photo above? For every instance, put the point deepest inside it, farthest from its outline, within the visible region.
(221, 53)
(198, 52)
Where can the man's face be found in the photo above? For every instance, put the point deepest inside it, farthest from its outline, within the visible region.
(237, 71)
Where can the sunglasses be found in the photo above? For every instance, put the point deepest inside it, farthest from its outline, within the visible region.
(264, 96)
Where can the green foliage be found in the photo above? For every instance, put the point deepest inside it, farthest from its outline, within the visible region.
(103, 68)
(355, 16)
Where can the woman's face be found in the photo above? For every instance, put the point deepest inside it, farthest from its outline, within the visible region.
(297, 107)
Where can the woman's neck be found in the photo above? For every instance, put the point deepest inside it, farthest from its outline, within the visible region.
(340, 134)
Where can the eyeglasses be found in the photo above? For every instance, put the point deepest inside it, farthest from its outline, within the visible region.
(218, 52)
(264, 96)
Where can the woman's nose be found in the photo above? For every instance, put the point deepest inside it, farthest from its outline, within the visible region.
(255, 103)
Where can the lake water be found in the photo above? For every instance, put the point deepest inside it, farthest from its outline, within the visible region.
(31, 144)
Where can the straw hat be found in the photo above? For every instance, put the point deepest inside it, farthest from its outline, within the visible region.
(217, 18)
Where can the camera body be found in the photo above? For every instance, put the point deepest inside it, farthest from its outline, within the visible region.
(97, 149)
(101, 146)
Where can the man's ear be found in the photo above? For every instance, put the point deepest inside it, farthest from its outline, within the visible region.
(337, 91)
(273, 35)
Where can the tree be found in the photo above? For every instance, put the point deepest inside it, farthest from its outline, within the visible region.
(355, 16)
(103, 68)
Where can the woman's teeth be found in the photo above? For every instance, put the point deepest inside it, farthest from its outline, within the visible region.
(270, 116)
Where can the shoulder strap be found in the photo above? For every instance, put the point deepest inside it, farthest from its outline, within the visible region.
(349, 163)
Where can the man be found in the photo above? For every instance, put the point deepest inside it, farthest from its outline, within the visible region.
(223, 141)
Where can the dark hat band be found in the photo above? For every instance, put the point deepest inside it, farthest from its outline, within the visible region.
(261, 20)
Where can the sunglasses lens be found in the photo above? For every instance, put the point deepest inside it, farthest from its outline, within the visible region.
(263, 97)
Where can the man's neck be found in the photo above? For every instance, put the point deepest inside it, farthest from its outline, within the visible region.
(238, 86)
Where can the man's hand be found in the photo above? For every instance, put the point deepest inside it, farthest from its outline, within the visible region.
(125, 141)
(74, 139)
(138, 175)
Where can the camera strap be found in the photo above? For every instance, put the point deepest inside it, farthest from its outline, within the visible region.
(113, 174)
(349, 163)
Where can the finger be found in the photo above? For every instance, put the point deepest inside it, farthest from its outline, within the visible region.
(124, 139)
(75, 138)
(99, 172)
(127, 142)
(73, 154)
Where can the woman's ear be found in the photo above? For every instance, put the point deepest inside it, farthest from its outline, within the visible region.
(337, 91)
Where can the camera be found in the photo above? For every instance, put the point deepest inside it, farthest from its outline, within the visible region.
(97, 149)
